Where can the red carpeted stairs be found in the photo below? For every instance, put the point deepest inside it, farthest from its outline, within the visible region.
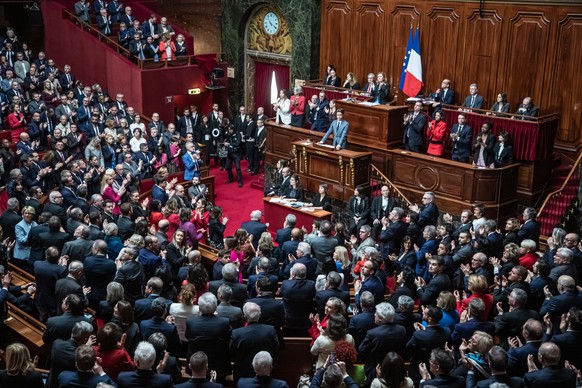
(237, 202)
(557, 206)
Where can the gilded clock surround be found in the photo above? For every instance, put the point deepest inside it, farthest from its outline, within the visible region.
(259, 40)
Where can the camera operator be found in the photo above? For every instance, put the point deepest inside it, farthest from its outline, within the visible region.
(232, 143)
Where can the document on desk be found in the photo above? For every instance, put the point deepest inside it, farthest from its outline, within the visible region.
(367, 103)
(325, 145)
(276, 200)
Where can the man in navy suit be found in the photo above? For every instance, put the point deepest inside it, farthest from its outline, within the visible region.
(255, 227)
(339, 128)
(145, 375)
(99, 271)
(272, 310)
(158, 323)
(517, 355)
(570, 342)
(438, 282)
(557, 305)
(370, 282)
(461, 138)
(530, 228)
(262, 365)
(429, 213)
(473, 100)
(199, 367)
(87, 375)
(247, 341)
(362, 322)
(262, 269)
(498, 363)
(387, 337)
(302, 256)
(443, 96)
(283, 235)
(414, 124)
(465, 330)
(298, 294)
(392, 233)
(332, 288)
(370, 85)
(143, 307)
(321, 108)
(551, 375)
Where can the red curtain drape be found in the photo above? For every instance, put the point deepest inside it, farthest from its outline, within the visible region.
(263, 76)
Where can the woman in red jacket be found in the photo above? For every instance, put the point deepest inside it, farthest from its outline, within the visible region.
(167, 48)
(436, 134)
(17, 123)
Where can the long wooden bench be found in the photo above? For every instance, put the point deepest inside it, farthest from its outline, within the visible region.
(25, 329)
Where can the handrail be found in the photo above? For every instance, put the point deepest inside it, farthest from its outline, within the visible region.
(390, 184)
(553, 193)
(506, 116)
(188, 60)
(360, 95)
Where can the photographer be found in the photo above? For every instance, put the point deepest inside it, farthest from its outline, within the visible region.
(232, 143)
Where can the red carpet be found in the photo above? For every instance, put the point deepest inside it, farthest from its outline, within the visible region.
(237, 203)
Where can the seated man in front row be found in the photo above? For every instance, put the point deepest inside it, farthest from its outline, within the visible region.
(339, 128)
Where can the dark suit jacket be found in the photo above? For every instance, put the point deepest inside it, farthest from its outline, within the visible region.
(423, 342)
(430, 293)
(256, 228)
(131, 277)
(445, 99)
(321, 298)
(376, 211)
(444, 381)
(466, 329)
(198, 383)
(531, 230)
(272, 313)
(126, 227)
(414, 130)
(46, 276)
(379, 341)
(99, 271)
(391, 238)
(261, 382)
(62, 358)
(155, 325)
(506, 157)
(462, 147)
(517, 358)
(560, 304)
(8, 221)
(550, 377)
(248, 341)
(509, 324)
(144, 378)
(64, 287)
(210, 334)
(283, 235)
(570, 344)
(429, 215)
(143, 307)
(239, 291)
(322, 247)
(511, 382)
(359, 326)
(60, 327)
(298, 295)
(477, 104)
(375, 286)
(82, 379)
(78, 249)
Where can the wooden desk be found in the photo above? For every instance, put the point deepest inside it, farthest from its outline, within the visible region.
(458, 186)
(376, 126)
(275, 214)
(343, 170)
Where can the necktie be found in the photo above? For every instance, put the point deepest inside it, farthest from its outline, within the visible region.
(473, 101)
(500, 150)
(188, 125)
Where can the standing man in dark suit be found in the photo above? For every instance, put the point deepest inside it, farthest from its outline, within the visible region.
(81, 247)
(530, 228)
(387, 337)
(464, 330)
(320, 121)
(438, 282)
(99, 272)
(551, 375)
(159, 324)
(381, 207)
(392, 233)
(414, 124)
(461, 139)
(230, 278)
(145, 375)
(332, 288)
(473, 100)
(143, 307)
(557, 305)
(429, 213)
(255, 227)
(60, 326)
(88, 374)
(283, 235)
(46, 274)
(199, 367)
(517, 355)
(210, 334)
(251, 339)
(262, 365)
(302, 256)
(370, 282)
(362, 322)
(509, 324)
(71, 285)
(10, 218)
(298, 294)
(272, 310)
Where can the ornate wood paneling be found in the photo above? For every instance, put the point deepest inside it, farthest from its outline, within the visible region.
(442, 29)
(567, 77)
(522, 49)
(482, 40)
(336, 31)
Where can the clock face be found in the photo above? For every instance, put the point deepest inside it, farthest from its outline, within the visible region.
(271, 23)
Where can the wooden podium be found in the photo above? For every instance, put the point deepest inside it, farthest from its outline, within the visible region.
(342, 170)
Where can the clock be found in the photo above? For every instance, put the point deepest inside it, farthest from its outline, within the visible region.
(271, 23)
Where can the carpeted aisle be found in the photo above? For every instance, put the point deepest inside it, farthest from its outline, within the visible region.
(236, 202)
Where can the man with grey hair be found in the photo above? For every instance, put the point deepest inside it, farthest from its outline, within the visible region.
(81, 247)
(63, 351)
(71, 284)
(194, 257)
(129, 274)
(428, 213)
(99, 272)
(247, 341)
(283, 235)
(263, 269)
(551, 374)
(302, 256)
(144, 375)
(473, 100)
(509, 324)
(210, 334)
(298, 297)
(262, 366)
(332, 288)
(365, 239)
(392, 232)
(230, 278)
(405, 315)
(10, 218)
(557, 305)
(563, 265)
(255, 227)
(161, 234)
(387, 337)
(226, 309)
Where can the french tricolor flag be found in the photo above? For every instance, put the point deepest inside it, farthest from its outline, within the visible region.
(411, 77)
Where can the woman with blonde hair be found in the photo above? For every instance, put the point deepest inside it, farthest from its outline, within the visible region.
(184, 309)
(94, 149)
(478, 286)
(20, 369)
(107, 191)
(171, 213)
(167, 47)
(448, 305)
(351, 82)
